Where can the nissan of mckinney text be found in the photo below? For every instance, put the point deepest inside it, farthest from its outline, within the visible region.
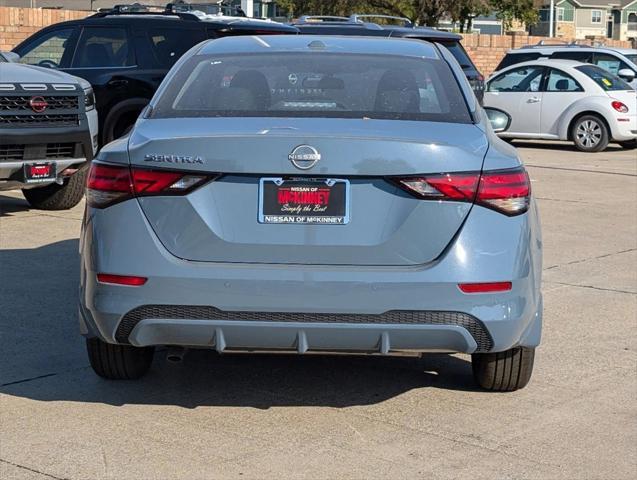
(48, 134)
(313, 194)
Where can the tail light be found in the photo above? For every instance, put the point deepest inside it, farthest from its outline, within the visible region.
(506, 191)
(109, 184)
(485, 287)
(619, 106)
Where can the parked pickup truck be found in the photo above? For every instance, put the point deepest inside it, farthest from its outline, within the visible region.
(48, 134)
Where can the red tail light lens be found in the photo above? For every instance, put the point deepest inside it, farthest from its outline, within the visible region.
(506, 191)
(109, 184)
(619, 106)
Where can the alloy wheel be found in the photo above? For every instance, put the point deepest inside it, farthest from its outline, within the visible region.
(589, 133)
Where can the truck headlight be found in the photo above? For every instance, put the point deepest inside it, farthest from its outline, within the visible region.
(89, 99)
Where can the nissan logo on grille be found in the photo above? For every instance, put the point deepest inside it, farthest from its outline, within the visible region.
(38, 104)
(304, 157)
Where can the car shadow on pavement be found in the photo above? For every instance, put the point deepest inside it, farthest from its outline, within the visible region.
(9, 205)
(569, 146)
(47, 360)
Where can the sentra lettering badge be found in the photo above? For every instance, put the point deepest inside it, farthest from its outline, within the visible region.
(151, 157)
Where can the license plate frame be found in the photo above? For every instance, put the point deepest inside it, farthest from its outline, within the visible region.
(337, 213)
(31, 175)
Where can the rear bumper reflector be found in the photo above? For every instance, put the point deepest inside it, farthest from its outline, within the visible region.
(485, 287)
(127, 280)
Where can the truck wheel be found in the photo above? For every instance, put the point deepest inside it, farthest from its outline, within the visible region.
(590, 134)
(503, 371)
(58, 197)
(118, 362)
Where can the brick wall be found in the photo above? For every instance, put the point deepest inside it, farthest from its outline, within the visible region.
(487, 50)
(16, 24)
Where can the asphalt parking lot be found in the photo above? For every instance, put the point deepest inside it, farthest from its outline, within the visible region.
(337, 417)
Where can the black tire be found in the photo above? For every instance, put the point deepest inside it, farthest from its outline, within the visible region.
(629, 145)
(118, 362)
(503, 371)
(58, 197)
(590, 133)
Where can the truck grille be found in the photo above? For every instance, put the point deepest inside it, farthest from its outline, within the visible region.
(55, 102)
(17, 153)
(190, 312)
(38, 120)
(25, 106)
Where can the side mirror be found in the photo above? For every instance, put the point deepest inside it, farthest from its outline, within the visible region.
(500, 120)
(626, 74)
(11, 57)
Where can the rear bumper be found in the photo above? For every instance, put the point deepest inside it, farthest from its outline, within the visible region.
(83, 136)
(313, 308)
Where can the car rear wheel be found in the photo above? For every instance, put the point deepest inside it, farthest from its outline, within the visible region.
(58, 197)
(590, 133)
(503, 371)
(119, 362)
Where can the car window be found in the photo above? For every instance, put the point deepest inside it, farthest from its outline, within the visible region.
(47, 50)
(584, 57)
(459, 54)
(103, 47)
(314, 85)
(606, 80)
(523, 79)
(609, 62)
(515, 58)
(559, 81)
(632, 58)
(171, 43)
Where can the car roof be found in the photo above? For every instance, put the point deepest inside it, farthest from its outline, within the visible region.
(189, 17)
(544, 62)
(324, 43)
(572, 48)
(392, 30)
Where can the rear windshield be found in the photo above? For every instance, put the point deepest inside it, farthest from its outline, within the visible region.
(314, 84)
(604, 78)
(459, 54)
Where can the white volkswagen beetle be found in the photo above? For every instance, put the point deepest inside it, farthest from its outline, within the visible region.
(565, 100)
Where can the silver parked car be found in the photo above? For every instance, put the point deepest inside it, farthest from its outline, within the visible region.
(313, 194)
(565, 100)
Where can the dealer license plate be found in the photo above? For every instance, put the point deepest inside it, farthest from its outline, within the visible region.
(304, 201)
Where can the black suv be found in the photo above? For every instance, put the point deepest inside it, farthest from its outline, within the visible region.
(125, 52)
(359, 25)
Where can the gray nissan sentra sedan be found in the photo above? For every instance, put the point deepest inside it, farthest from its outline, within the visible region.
(313, 194)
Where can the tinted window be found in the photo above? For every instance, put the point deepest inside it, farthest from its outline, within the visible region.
(460, 54)
(315, 85)
(103, 47)
(603, 78)
(524, 79)
(47, 50)
(559, 81)
(608, 62)
(170, 43)
(514, 58)
(584, 57)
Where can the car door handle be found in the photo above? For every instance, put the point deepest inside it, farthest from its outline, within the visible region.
(533, 100)
(118, 83)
